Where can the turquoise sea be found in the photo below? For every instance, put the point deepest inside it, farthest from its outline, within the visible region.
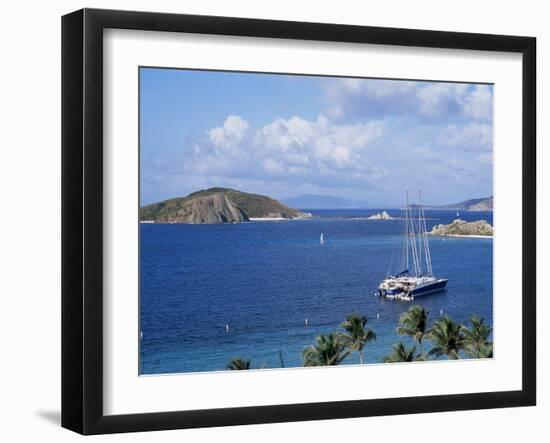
(264, 279)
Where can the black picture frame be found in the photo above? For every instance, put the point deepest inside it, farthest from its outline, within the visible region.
(82, 218)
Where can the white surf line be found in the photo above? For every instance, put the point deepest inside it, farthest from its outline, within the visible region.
(461, 235)
(268, 219)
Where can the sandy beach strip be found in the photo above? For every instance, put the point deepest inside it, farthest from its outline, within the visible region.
(262, 219)
(461, 235)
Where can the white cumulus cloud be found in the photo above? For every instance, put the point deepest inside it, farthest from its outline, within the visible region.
(316, 145)
(305, 150)
(230, 134)
(359, 98)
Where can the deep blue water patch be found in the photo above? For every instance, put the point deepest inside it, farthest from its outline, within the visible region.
(265, 279)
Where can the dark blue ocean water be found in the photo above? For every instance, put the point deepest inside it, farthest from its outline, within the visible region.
(264, 279)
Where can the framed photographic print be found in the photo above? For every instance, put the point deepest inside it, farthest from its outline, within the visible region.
(256, 209)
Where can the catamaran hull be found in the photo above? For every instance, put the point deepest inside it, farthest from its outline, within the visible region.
(430, 288)
(416, 291)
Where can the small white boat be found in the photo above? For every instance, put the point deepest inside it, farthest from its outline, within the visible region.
(457, 214)
(322, 239)
(406, 285)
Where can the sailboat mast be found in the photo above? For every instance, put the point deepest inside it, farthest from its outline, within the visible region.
(412, 238)
(425, 236)
(407, 230)
(420, 231)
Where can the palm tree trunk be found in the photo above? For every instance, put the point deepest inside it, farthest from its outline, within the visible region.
(361, 357)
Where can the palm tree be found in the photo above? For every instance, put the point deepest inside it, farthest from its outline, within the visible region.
(476, 338)
(414, 323)
(356, 336)
(328, 350)
(447, 338)
(238, 364)
(486, 351)
(402, 354)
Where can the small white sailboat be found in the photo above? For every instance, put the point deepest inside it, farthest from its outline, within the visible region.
(322, 239)
(457, 214)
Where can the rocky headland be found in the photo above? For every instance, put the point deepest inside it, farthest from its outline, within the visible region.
(381, 216)
(461, 228)
(218, 205)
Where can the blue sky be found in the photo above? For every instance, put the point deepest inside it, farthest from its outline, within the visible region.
(283, 135)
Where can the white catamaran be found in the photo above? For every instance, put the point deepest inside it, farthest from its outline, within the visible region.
(407, 285)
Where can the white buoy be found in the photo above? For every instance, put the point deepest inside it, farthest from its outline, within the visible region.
(226, 328)
(305, 321)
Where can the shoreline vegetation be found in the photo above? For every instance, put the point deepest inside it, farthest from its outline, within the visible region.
(449, 339)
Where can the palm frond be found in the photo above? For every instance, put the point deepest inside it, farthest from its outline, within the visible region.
(447, 337)
(414, 323)
(401, 354)
(328, 350)
(238, 364)
(476, 338)
(357, 335)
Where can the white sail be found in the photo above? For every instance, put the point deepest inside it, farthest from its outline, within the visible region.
(322, 239)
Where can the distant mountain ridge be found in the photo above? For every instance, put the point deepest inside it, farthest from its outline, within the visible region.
(217, 205)
(474, 204)
(312, 201)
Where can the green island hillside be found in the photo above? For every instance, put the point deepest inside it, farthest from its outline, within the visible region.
(218, 205)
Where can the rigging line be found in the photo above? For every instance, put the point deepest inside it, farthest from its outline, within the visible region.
(413, 240)
(420, 238)
(404, 250)
(426, 243)
(414, 248)
(406, 237)
(410, 233)
(392, 257)
(428, 252)
(425, 239)
(409, 228)
(427, 248)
